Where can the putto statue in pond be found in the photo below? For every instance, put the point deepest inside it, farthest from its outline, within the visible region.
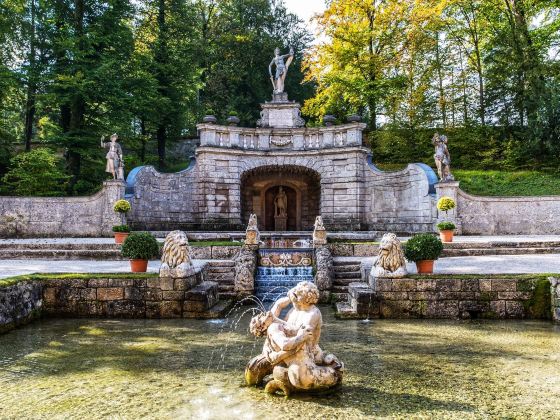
(282, 66)
(291, 359)
(115, 163)
(175, 260)
(442, 157)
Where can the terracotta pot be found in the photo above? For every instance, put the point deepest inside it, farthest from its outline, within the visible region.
(446, 235)
(425, 266)
(120, 237)
(138, 266)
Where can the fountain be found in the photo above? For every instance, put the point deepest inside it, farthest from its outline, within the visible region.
(291, 360)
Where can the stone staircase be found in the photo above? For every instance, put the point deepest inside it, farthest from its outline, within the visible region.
(346, 271)
(223, 273)
(463, 249)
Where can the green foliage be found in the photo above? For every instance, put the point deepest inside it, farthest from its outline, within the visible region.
(501, 183)
(121, 229)
(445, 204)
(423, 246)
(121, 206)
(35, 173)
(446, 226)
(539, 306)
(140, 246)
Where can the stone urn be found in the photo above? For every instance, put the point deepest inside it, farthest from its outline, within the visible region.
(329, 120)
(232, 120)
(353, 118)
(209, 119)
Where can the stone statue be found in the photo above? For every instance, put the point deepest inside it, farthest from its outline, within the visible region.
(281, 204)
(319, 232)
(291, 360)
(175, 260)
(115, 163)
(390, 260)
(281, 69)
(252, 234)
(442, 158)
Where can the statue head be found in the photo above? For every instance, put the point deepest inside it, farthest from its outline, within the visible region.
(114, 137)
(276, 51)
(260, 323)
(175, 249)
(304, 294)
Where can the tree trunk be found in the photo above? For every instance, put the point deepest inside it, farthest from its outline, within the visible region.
(160, 136)
(440, 84)
(161, 59)
(31, 84)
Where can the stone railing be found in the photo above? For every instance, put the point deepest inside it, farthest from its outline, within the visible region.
(281, 138)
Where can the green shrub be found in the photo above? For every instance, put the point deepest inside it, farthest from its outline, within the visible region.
(121, 206)
(233, 113)
(35, 173)
(424, 246)
(121, 228)
(445, 204)
(446, 226)
(140, 246)
(210, 111)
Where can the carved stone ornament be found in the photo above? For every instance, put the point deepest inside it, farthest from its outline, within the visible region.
(281, 141)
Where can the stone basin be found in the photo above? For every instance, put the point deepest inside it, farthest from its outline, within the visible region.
(84, 368)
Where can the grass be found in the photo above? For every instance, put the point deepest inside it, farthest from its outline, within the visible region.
(10, 281)
(498, 183)
(502, 183)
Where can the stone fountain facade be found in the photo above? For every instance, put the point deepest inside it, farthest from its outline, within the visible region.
(239, 171)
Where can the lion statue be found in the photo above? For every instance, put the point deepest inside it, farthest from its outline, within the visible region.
(390, 261)
(175, 260)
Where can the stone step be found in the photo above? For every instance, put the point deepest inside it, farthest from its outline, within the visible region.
(346, 268)
(348, 275)
(345, 262)
(465, 252)
(58, 245)
(343, 282)
(221, 263)
(339, 296)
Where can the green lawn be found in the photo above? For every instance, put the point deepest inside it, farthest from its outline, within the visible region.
(508, 183)
(499, 183)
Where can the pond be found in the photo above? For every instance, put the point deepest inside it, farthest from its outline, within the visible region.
(84, 368)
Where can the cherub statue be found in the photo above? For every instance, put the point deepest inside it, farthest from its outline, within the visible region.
(115, 163)
(291, 352)
(281, 69)
(442, 157)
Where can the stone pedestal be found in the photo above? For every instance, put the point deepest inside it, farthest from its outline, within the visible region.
(113, 190)
(245, 268)
(449, 189)
(200, 299)
(281, 113)
(280, 223)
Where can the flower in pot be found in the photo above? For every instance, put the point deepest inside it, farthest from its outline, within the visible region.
(233, 119)
(140, 247)
(446, 231)
(121, 231)
(423, 249)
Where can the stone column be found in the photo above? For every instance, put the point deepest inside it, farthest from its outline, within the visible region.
(324, 276)
(245, 269)
(113, 190)
(449, 189)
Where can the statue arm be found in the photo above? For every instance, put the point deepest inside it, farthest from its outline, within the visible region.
(270, 67)
(279, 305)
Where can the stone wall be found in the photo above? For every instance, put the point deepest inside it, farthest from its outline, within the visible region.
(465, 297)
(479, 215)
(61, 216)
(555, 297)
(19, 303)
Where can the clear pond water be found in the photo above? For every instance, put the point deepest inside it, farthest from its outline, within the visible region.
(83, 368)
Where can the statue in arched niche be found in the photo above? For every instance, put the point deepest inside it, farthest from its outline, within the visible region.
(281, 204)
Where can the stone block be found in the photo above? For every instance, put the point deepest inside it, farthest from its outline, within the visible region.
(133, 293)
(201, 252)
(514, 295)
(125, 309)
(498, 307)
(485, 285)
(514, 309)
(153, 294)
(173, 295)
(404, 284)
(395, 309)
(365, 250)
(152, 283)
(119, 283)
(448, 285)
(201, 297)
(384, 284)
(98, 283)
(426, 285)
(442, 309)
(171, 309)
(186, 283)
(50, 296)
(153, 309)
(110, 293)
(394, 295)
(224, 252)
(166, 283)
(470, 285)
(88, 294)
(504, 285)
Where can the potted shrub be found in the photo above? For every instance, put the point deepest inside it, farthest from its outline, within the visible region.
(139, 247)
(329, 120)
(210, 117)
(233, 119)
(423, 249)
(446, 228)
(446, 231)
(122, 207)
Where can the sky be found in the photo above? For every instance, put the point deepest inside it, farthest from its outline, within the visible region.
(305, 8)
